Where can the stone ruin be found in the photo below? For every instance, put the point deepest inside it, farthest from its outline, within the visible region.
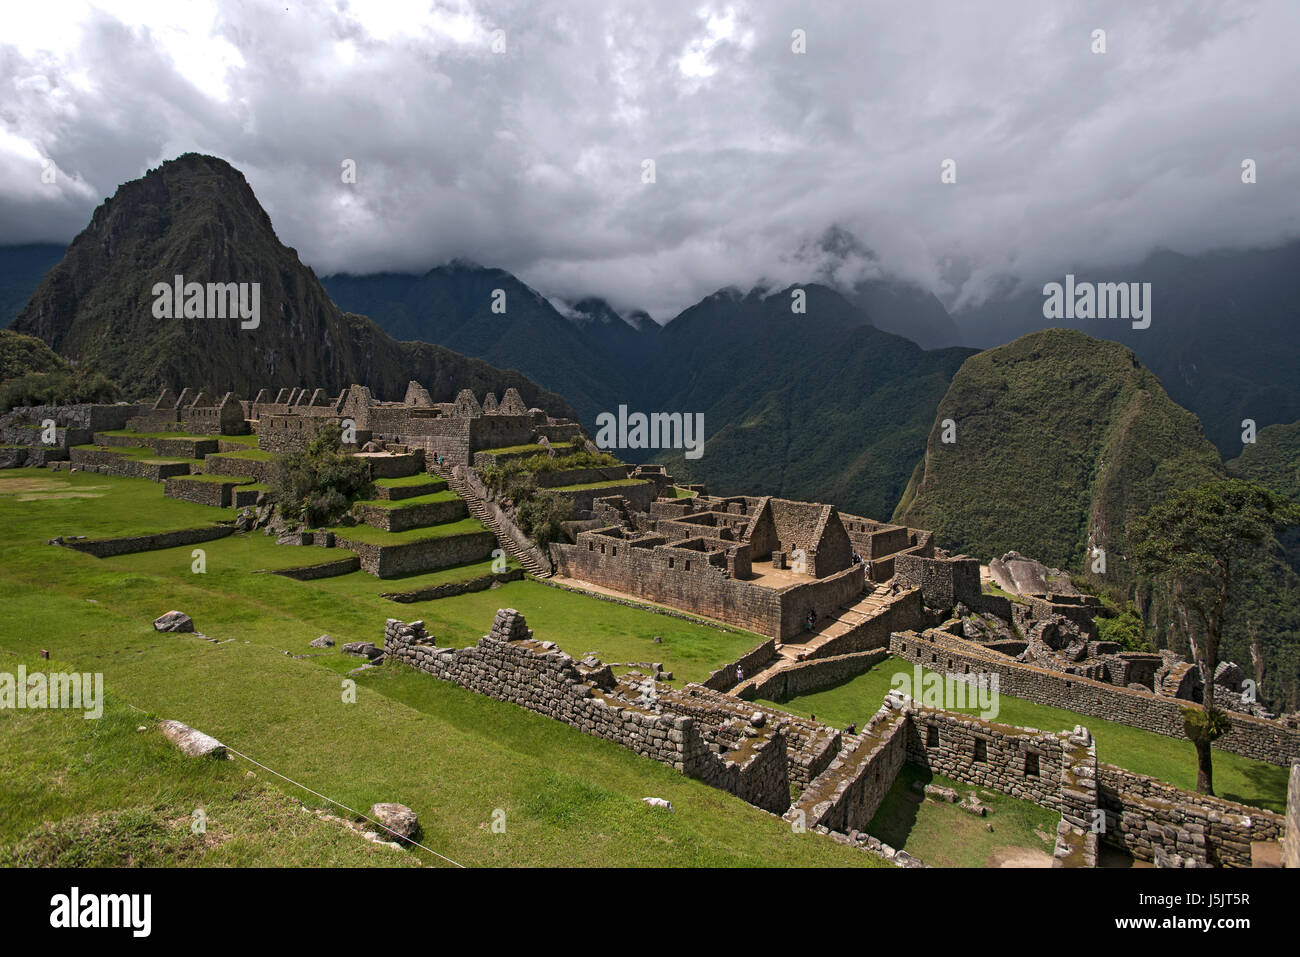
(831, 782)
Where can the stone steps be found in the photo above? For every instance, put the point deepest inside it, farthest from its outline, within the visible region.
(480, 511)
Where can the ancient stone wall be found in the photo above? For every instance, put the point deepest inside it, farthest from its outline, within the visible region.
(847, 794)
(509, 665)
(110, 463)
(813, 675)
(656, 575)
(751, 662)
(402, 518)
(1020, 762)
(943, 581)
(1145, 817)
(107, 547)
(1251, 737)
(201, 491)
(451, 589)
(421, 555)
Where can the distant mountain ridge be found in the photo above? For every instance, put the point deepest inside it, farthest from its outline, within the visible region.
(197, 217)
(1222, 338)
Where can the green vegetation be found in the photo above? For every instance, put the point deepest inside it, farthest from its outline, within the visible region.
(1169, 759)
(318, 484)
(453, 756)
(377, 536)
(408, 481)
(141, 453)
(613, 483)
(943, 835)
(433, 498)
(542, 515)
(532, 448)
(1058, 437)
(1191, 546)
(31, 373)
(207, 477)
(1126, 629)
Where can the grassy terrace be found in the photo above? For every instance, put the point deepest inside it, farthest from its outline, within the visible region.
(446, 495)
(943, 835)
(141, 452)
(260, 455)
(614, 483)
(250, 440)
(1169, 759)
(410, 481)
(377, 536)
(453, 756)
(207, 477)
(535, 449)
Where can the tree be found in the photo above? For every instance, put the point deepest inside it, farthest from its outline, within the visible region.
(318, 484)
(1195, 544)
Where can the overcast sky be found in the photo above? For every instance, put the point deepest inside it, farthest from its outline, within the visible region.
(532, 159)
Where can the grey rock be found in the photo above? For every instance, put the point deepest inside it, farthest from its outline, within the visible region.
(173, 621)
(397, 818)
(194, 743)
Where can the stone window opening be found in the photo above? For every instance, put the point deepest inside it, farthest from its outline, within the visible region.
(688, 564)
(981, 750)
(671, 562)
(932, 736)
(1031, 764)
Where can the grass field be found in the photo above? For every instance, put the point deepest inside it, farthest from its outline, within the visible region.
(433, 498)
(99, 792)
(1235, 778)
(943, 835)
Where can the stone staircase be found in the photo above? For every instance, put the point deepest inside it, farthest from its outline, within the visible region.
(479, 510)
(847, 617)
(869, 603)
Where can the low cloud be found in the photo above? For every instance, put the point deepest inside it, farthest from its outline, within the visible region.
(531, 159)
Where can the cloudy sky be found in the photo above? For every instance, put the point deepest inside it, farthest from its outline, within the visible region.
(532, 158)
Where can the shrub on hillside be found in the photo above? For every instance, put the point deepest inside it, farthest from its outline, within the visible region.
(319, 484)
(540, 516)
(63, 387)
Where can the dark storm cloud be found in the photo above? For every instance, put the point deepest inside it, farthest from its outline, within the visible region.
(532, 159)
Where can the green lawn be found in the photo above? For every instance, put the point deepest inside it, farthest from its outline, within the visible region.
(614, 483)
(142, 452)
(535, 449)
(259, 455)
(433, 498)
(377, 536)
(943, 835)
(455, 757)
(407, 481)
(208, 477)
(1169, 759)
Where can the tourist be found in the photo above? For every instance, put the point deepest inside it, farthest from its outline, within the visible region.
(740, 673)
(812, 620)
(857, 559)
(852, 728)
